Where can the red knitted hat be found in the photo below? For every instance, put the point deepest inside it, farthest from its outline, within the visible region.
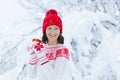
(51, 18)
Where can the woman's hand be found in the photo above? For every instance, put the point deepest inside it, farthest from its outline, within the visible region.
(34, 49)
(36, 46)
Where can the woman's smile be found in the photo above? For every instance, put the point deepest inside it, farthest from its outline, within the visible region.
(52, 35)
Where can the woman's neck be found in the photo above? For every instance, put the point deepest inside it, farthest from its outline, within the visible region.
(52, 43)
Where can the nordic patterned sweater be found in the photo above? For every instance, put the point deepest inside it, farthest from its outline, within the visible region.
(48, 62)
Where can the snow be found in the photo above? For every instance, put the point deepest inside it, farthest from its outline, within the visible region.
(93, 39)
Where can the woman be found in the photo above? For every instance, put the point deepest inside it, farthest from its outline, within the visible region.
(49, 57)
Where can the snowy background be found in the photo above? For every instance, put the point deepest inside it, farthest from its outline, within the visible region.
(91, 31)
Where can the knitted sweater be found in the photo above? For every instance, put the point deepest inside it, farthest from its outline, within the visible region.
(48, 62)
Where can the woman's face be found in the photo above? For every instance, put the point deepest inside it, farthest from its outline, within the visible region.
(52, 33)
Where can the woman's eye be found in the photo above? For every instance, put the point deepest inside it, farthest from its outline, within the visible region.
(49, 28)
(56, 28)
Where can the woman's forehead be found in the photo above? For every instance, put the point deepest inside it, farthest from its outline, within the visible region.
(52, 26)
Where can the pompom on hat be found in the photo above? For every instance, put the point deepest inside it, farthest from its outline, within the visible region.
(52, 18)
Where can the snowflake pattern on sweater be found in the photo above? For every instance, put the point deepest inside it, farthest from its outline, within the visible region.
(57, 51)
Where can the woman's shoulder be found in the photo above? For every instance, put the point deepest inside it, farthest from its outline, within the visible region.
(64, 46)
(64, 50)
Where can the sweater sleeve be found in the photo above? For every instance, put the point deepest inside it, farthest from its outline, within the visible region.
(32, 66)
(31, 71)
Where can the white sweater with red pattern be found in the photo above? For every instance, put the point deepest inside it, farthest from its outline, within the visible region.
(48, 62)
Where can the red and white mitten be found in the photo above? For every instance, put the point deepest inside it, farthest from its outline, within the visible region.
(39, 49)
(37, 45)
(34, 49)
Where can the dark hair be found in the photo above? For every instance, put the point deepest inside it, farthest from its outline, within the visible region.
(45, 39)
